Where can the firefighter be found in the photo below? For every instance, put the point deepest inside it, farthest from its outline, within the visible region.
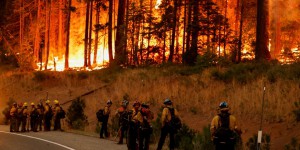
(122, 113)
(106, 114)
(40, 109)
(19, 116)
(56, 117)
(224, 129)
(145, 117)
(48, 113)
(24, 117)
(133, 127)
(13, 117)
(166, 128)
(33, 117)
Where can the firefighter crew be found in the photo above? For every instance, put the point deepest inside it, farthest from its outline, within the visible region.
(19, 116)
(224, 120)
(106, 114)
(33, 117)
(24, 117)
(166, 129)
(13, 117)
(41, 116)
(47, 116)
(133, 127)
(122, 113)
(56, 117)
(145, 116)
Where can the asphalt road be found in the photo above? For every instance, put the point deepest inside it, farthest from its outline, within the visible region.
(53, 140)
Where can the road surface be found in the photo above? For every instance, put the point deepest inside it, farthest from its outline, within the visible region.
(53, 140)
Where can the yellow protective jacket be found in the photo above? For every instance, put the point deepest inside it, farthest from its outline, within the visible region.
(215, 124)
(13, 111)
(166, 115)
(137, 116)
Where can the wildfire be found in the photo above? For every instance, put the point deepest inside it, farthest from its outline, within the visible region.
(158, 3)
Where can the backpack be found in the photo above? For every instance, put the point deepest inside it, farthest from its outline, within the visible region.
(175, 122)
(34, 114)
(62, 113)
(223, 134)
(100, 115)
(20, 114)
(49, 114)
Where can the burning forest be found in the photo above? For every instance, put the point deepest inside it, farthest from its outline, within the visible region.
(60, 35)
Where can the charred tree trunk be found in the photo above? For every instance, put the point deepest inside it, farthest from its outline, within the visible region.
(90, 34)
(184, 28)
(21, 32)
(126, 30)
(188, 36)
(149, 30)
(110, 23)
(68, 35)
(225, 22)
(61, 25)
(120, 37)
(262, 36)
(86, 37)
(37, 39)
(48, 16)
(96, 35)
(241, 33)
(173, 31)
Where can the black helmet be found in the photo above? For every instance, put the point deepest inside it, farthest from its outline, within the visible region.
(109, 102)
(167, 102)
(223, 105)
(145, 105)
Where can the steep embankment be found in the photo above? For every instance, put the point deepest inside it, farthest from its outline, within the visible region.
(196, 94)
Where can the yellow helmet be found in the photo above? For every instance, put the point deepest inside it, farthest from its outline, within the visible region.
(32, 103)
(47, 101)
(25, 104)
(56, 101)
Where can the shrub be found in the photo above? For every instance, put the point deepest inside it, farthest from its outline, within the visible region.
(265, 143)
(75, 115)
(293, 145)
(40, 76)
(82, 75)
(296, 112)
(202, 141)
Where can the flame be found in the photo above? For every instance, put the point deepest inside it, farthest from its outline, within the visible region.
(158, 3)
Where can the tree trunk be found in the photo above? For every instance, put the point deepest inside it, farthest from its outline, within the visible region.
(96, 35)
(194, 45)
(262, 36)
(149, 30)
(241, 32)
(86, 37)
(225, 37)
(173, 31)
(120, 37)
(61, 24)
(21, 32)
(37, 33)
(90, 34)
(110, 22)
(126, 30)
(188, 36)
(48, 16)
(68, 36)
(184, 28)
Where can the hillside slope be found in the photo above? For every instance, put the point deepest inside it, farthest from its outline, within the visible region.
(196, 95)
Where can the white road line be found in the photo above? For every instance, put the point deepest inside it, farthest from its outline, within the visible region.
(69, 148)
